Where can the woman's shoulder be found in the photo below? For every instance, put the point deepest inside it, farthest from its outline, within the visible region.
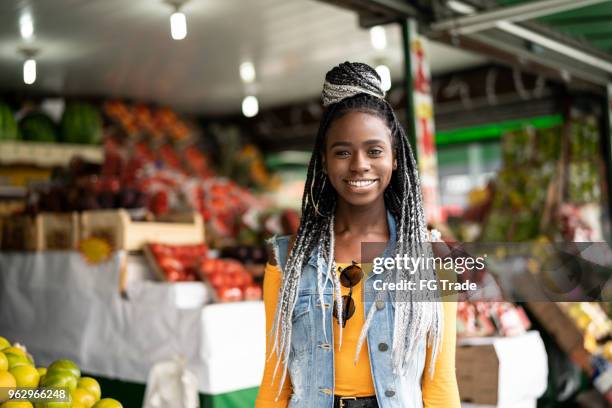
(276, 244)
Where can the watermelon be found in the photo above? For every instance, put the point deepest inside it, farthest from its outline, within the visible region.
(81, 123)
(8, 126)
(38, 127)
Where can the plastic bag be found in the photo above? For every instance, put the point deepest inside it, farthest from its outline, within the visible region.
(171, 385)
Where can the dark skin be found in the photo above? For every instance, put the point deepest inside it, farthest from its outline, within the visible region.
(359, 161)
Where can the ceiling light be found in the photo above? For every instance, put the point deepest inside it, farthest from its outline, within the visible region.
(553, 45)
(385, 76)
(247, 72)
(378, 37)
(178, 21)
(460, 7)
(250, 106)
(26, 26)
(178, 25)
(29, 71)
(29, 65)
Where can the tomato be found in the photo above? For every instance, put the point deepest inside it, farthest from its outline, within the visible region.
(252, 292)
(229, 294)
(173, 275)
(167, 263)
(217, 280)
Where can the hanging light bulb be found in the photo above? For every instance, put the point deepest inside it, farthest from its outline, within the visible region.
(385, 76)
(378, 37)
(178, 25)
(26, 26)
(29, 71)
(250, 106)
(247, 72)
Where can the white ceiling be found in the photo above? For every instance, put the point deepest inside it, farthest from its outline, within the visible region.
(122, 48)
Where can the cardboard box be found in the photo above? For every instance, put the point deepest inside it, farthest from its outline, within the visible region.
(501, 370)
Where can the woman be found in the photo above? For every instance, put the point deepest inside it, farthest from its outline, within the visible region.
(333, 342)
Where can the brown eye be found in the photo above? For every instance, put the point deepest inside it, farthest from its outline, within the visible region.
(376, 152)
(342, 153)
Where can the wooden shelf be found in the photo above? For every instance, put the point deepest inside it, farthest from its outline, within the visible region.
(46, 154)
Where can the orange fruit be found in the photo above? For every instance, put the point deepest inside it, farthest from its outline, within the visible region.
(91, 385)
(83, 397)
(25, 376)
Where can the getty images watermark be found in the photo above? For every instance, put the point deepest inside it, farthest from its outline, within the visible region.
(492, 271)
(457, 264)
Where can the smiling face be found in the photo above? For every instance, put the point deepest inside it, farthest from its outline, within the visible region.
(359, 158)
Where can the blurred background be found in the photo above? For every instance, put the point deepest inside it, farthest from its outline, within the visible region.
(149, 148)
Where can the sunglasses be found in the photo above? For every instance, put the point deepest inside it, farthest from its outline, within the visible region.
(349, 277)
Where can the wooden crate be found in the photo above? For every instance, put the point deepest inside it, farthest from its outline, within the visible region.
(22, 233)
(117, 228)
(60, 231)
(45, 231)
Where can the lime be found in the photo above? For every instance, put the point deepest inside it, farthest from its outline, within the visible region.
(91, 385)
(26, 376)
(83, 397)
(66, 366)
(59, 380)
(16, 360)
(3, 362)
(108, 403)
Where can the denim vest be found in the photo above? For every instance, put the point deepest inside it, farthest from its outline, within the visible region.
(311, 358)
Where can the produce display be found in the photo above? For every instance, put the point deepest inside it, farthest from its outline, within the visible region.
(38, 127)
(491, 319)
(596, 328)
(547, 179)
(18, 372)
(230, 280)
(81, 124)
(529, 163)
(8, 126)
(139, 119)
(176, 263)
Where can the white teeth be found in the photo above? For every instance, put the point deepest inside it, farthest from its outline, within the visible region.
(360, 183)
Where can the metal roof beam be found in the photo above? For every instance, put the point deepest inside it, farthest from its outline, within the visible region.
(395, 8)
(525, 11)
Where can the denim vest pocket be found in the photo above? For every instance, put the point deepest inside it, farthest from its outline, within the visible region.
(302, 326)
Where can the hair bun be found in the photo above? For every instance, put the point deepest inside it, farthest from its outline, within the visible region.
(349, 79)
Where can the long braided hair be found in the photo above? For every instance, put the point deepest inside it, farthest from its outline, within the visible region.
(352, 87)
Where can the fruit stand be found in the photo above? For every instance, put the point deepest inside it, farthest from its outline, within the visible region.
(62, 306)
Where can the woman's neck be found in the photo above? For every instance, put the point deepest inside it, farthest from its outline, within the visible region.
(362, 220)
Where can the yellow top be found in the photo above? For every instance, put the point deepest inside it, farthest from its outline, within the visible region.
(350, 380)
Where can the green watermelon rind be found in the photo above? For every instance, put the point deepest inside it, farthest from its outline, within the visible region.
(8, 126)
(81, 124)
(38, 127)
